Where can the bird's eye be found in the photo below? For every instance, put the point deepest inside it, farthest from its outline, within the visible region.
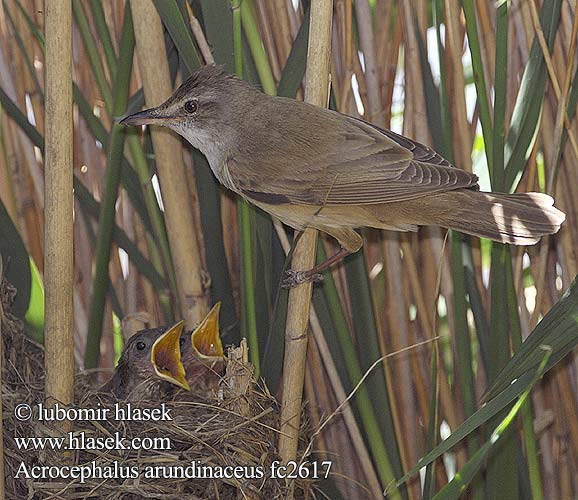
(191, 106)
(140, 346)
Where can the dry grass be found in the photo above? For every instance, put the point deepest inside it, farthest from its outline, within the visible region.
(209, 432)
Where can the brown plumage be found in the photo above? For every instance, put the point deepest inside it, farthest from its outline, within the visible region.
(150, 366)
(312, 167)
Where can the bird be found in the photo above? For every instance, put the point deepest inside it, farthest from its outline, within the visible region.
(313, 167)
(150, 366)
(202, 353)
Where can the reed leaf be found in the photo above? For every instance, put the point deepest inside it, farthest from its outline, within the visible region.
(456, 486)
(429, 479)
(531, 478)
(207, 187)
(216, 14)
(178, 29)
(294, 70)
(218, 28)
(479, 78)
(558, 331)
(20, 43)
(34, 317)
(502, 479)
(104, 35)
(93, 54)
(15, 259)
(113, 175)
(460, 244)
(522, 130)
(87, 201)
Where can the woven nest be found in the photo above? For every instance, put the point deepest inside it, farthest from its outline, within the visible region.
(234, 428)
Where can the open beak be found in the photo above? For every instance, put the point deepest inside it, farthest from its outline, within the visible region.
(206, 338)
(166, 356)
(152, 116)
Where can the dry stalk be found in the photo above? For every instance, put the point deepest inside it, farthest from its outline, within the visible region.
(347, 414)
(153, 65)
(316, 92)
(59, 248)
(199, 35)
(239, 377)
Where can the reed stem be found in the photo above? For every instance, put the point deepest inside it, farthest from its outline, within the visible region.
(192, 294)
(58, 193)
(296, 329)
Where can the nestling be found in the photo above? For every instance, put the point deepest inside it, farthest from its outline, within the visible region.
(202, 353)
(150, 365)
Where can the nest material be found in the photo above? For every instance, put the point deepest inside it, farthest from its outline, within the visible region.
(234, 428)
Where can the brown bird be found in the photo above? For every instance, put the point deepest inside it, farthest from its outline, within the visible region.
(150, 365)
(202, 353)
(312, 167)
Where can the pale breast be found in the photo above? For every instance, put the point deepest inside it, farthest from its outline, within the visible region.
(223, 174)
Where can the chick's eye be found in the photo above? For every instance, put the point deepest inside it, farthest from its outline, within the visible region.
(140, 346)
(191, 106)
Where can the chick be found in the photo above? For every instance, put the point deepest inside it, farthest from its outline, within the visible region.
(150, 365)
(203, 355)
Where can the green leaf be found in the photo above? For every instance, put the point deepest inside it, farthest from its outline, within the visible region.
(502, 472)
(374, 405)
(180, 33)
(86, 200)
(260, 57)
(432, 431)
(479, 78)
(16, 262)
(432, 96)
(129, 178)
(559, 331)
(23, 52)
(35, 313)
(457, 485)
(112, 180)
(14, 112)
(218, 28)
(528, 107)
(480, 417)
(294, 70)
(104, 35)
(92, 52)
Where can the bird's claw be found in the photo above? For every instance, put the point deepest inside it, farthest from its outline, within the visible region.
(296, 278)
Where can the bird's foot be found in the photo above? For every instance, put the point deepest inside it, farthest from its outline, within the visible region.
(296, 278)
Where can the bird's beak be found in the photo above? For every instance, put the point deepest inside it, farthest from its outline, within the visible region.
(166, 356)
(152, 116)
(206, 338)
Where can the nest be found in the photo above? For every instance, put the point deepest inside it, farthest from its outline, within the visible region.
(218, 447)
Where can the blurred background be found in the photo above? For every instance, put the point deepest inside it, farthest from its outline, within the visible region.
(491, 85)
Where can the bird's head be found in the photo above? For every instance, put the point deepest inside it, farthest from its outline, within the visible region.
(201, 109)
(156, 353)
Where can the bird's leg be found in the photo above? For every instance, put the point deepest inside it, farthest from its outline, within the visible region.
(295, 278)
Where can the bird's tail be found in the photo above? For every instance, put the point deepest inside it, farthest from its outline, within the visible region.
(518, 219)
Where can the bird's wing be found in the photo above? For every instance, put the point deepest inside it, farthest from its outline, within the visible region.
(342, 162)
